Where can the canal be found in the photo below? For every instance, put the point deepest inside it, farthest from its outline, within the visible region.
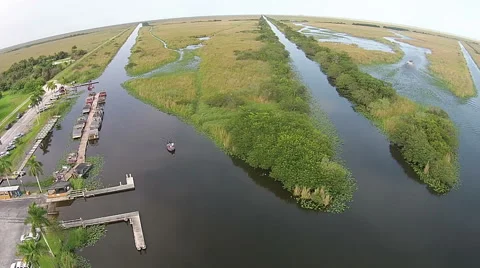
(201, 208)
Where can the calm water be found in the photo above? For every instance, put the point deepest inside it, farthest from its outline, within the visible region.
(203, 209)
(326, 35)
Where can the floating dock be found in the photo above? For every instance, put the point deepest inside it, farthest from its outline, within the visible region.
(74, 194)
(133, 218)
(40, 136)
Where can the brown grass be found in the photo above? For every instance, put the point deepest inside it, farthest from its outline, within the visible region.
(446, 62)
(148, 53)
(180, 35)
(220, 71)
(363, 56)
(87, 42)
(474, 49)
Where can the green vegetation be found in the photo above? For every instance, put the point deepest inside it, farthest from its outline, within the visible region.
(92, 181)
(426, 136)
(34, 169)
(94, 63)
(60, 107)
(86, 40)
(247, 99)
(147, 45)
(62, 244)
(10, 101)
(29, 75)
(5, 168)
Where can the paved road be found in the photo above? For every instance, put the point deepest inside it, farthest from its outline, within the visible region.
(12, 215)
(25, 123)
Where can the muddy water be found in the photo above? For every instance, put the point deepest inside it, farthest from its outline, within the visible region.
(201, 208)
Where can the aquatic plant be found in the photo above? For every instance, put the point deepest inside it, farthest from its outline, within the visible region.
(426, 136)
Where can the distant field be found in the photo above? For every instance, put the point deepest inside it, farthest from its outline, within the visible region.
(94, 63)
(446, 61)
(180, 35)
(474, 49)
(148, 53)
(359, 55)
(86, 41)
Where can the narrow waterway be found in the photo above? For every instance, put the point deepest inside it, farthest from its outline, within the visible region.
(201, 208)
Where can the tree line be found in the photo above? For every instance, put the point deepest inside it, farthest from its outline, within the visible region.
(426, 136)
(30, 74)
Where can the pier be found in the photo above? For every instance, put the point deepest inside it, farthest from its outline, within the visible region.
(40, 136)
(74, 194)
(133, 218)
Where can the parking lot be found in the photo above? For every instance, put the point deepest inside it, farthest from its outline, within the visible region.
(12, 216)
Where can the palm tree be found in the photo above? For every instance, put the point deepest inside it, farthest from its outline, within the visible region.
(31, 251)
(5, 168)
(36, 217)
(51, 85)
(35, 169)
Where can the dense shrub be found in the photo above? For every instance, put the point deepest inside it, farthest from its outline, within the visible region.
(426, 136)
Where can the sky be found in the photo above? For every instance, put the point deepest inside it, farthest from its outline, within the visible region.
(26, 20)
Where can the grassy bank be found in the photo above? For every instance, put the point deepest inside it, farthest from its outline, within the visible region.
(246, 98)
(9, 102)
(426, 136)
(93, 64)
(474, 49)
(148, 53)
(66, 243)
(61, 107)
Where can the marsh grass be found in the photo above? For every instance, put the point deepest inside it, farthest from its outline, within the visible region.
(474, 49)
(148, 53)
(247, 99)
(9, 101)
(363, 56)
(446, 62)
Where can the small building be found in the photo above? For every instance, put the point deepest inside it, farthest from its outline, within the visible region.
(10, 192)
(59, 189)
(82, 169)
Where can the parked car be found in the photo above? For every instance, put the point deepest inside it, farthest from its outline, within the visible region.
(30, 236)
(12, 142)
(20, 264)
(19, 115)
(4, 153)
(42, 109)
(11, 147)
(20, 173)
(8, 126)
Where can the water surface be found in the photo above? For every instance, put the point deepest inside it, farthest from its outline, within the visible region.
(201, 208)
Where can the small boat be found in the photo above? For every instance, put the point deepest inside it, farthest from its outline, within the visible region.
(72, 158)
(171, 147)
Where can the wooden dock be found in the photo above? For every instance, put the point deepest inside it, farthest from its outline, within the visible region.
(133, 218)
(74, 194)
(82, 148)
(40, 136)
